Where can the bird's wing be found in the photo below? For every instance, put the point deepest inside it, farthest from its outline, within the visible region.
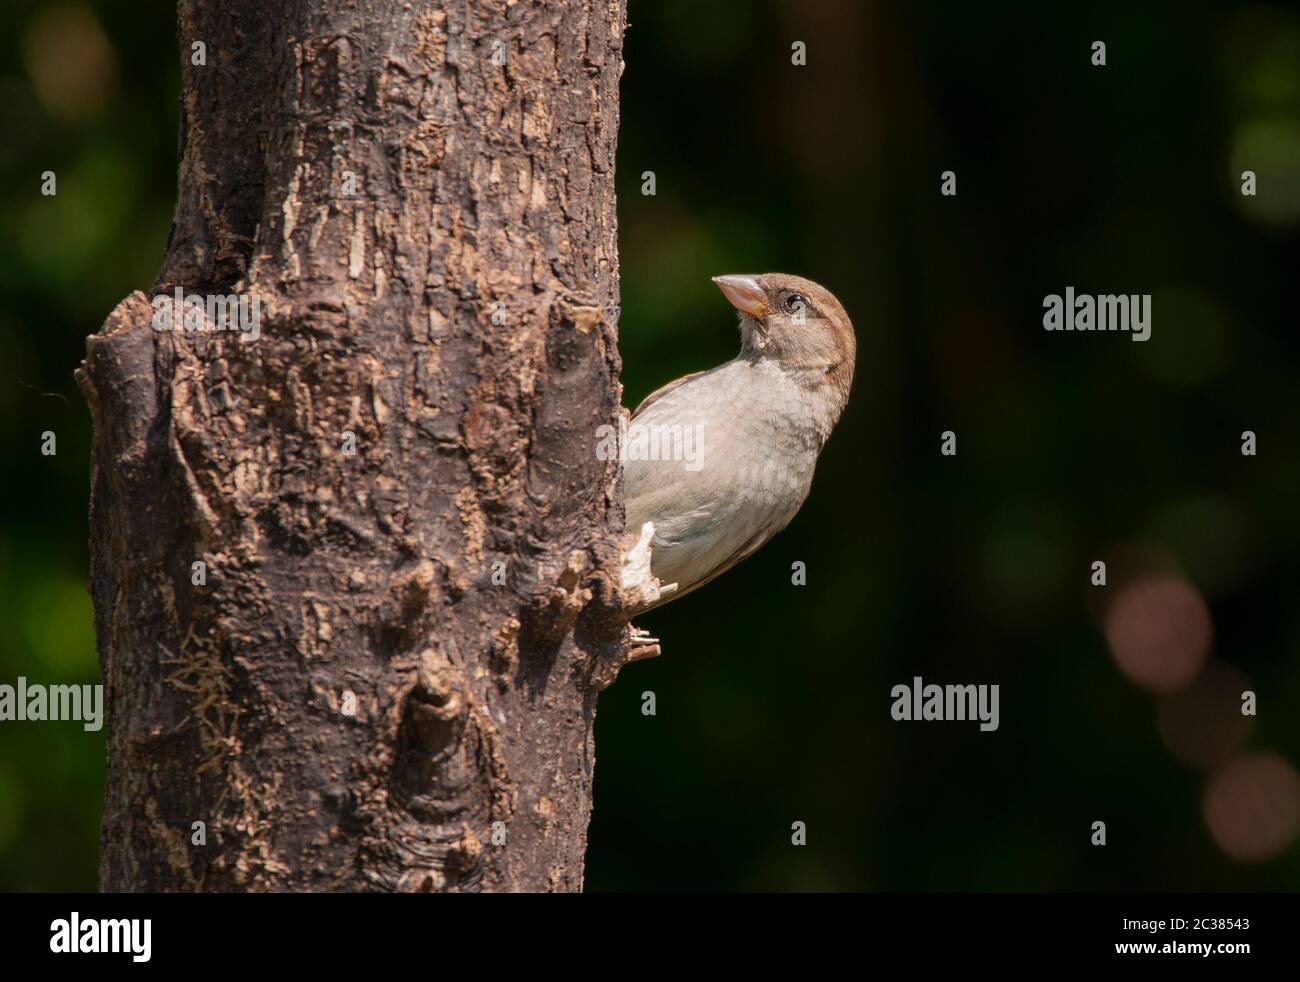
(662, 391)
(745, 550)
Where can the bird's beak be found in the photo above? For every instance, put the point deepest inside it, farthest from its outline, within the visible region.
(744, 293)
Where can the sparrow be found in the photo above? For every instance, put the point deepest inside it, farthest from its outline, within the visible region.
(749, 432)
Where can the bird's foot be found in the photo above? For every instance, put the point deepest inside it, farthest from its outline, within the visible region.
(639, 636)
(640, 645)
(637, 647)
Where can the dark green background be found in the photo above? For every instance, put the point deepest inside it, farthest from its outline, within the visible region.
(773, 700)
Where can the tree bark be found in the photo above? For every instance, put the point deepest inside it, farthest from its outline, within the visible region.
(384, 674)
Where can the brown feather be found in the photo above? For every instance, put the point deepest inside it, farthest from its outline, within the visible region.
(663, 390)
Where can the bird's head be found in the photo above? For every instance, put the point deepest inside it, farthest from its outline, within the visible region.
(795, 322)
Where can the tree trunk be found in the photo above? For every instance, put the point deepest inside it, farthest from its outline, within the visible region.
(383, 675)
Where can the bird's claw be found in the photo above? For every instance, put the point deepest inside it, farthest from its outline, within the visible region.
(640, 645)
(641, 636)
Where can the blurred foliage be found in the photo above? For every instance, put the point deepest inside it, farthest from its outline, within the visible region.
(773, 700)
(90, 92)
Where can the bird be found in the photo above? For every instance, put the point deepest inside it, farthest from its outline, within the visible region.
(748, 434)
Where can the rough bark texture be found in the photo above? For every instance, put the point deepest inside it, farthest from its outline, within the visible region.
(352, 701)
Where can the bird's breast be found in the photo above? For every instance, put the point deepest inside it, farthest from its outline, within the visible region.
(720, 464)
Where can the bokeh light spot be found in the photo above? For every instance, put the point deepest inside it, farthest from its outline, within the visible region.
(1252, 807)
(1269, 146)
(1159, 631)
(1203, 724)
(71, 62)
(1196, 333)
(58, 623)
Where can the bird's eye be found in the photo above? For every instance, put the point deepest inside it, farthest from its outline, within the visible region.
(796, 302)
